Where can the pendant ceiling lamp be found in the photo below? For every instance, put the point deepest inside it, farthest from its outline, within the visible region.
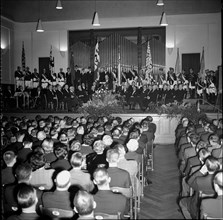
(163, 20)
(59, 5)
(39, 27)
(160, 3)
(95, 20)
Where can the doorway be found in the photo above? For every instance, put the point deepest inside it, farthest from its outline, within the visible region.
(44, 64)
(191, 60)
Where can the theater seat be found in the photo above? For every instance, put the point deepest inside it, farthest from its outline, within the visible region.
(100, 215)
(56, 214)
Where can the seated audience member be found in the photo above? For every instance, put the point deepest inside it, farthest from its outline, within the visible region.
(214, 142)
(107, 201)
(120, 179)
(41, 177)
(7, 174)
(62, 162)
(107, 140)
(27, 201)
(84, 205)
(132, 146)
(181, 126)
(200, 181)
(60, 198)
(41, 135)
(86, 148)
(212, 207)
(23, 174)
(209, 129)
(79, 177)
(24, 153)
(129, 165)
(48, 146)
(97, 158)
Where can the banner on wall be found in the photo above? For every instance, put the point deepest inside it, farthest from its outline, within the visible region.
(149, 64)
(96, 56)
(51, 64)
(23, 58)
(177, 65)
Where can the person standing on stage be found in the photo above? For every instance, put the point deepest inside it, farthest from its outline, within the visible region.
(35, 78)
(192, 78)
(68, 77)
(19, 76)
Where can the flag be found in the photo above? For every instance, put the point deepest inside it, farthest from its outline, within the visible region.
(177, 66)
(23, 58)
(51, 64)
(202, 66)
(96, 56)
(119, 66)
(149, 65)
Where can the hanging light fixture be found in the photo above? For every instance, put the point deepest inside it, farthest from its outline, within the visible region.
(160, 3)
(59, 5)
(39, 27)
(163, 20)
(95, 20)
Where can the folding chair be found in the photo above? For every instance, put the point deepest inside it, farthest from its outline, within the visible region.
(149, 165)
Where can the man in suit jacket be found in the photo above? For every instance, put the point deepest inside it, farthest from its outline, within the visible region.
(107, 201)
(212, 207)
(60, 198)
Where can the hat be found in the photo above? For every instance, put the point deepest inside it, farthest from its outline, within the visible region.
(63, 178)
(132, 145)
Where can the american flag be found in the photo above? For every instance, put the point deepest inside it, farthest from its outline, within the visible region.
(202, 66)
(177, 66)
(96, 56)
(51, 64)
(23, 57)
(149, 64)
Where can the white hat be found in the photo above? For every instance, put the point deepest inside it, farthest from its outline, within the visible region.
(63, 178)
(132, 145)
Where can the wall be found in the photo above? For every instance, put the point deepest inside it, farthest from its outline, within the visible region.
(187, 32)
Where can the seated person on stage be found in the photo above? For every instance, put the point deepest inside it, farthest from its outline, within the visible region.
(143, 101)
(28, 78)
(169, 95)
(120, 179)
(51, 97)
(132, 96)
(212, 207)
(81, 94)
(107, 201)
(27, 201)
(60, 198)
(84, 205)
(19, 76)
(66, 95)
(152, 96)
(39, 98)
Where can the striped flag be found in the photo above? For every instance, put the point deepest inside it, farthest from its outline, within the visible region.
(177, 66)
(51, 64)
(119, 66)
(202, 66)
(149, 65)
(23, 58)
(96, 56)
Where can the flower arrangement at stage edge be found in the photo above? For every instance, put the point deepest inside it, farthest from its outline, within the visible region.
(103, 103)
(184, 110)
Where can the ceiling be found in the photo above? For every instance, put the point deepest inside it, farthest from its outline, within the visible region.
(31, 10)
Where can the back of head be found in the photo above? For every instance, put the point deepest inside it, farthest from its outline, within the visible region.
(23, 172)
(107, 140)
(63, 180)
(61, 151)
(203, 153)
(37, 160)
(47, 145)
(201, 144)
(218, 181)
(213, 139)
(112, 155)
(212, 164)
(75, 145)
(26, 195)
(9, 157)
(41, 135)
(101, 177)
(132, 145)
(84, 203)
(76, 159)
